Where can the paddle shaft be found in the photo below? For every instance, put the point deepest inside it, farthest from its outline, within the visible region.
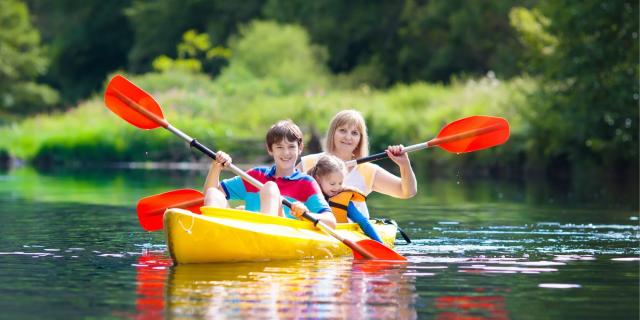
(431, 143)
(210, 153)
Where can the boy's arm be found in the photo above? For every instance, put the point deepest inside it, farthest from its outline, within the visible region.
(213, 177)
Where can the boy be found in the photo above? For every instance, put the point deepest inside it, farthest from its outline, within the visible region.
(284, 144)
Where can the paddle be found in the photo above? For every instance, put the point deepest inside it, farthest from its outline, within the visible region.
(463, 135)
(151, 209)
(140, 109)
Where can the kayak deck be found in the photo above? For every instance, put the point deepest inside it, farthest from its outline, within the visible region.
(225, 235)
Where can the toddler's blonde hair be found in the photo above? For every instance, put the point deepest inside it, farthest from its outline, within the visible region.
(326, 165)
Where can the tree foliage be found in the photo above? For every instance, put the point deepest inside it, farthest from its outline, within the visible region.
(580, 58)
(277, 58)
(22, 60)
(585, 114)
(194, 51)
(87, 40)
(159, 25)
(379, 43)
(405, 41)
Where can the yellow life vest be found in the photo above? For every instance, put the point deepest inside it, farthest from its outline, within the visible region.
(340, 202)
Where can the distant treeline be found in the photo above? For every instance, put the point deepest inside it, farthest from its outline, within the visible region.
(384, 42)
(581, 56)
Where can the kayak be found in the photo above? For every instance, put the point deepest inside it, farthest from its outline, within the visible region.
(229, 235)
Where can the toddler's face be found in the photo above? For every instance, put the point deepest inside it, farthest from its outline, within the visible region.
(331, 184)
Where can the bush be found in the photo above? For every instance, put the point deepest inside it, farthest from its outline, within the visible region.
(274, 59)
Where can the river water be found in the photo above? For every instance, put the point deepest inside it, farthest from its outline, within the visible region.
(72, 248)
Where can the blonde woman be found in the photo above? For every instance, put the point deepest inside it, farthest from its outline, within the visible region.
(347, 139)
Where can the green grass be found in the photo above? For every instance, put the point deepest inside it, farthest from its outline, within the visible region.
(236, 120)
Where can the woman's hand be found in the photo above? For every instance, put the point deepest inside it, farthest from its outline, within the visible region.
(404, 187)
(396, 154)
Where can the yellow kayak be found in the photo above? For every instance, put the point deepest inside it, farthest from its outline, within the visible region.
(225, 235)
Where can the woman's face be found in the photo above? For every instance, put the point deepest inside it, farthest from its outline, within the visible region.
(331, 183)
(346, 139)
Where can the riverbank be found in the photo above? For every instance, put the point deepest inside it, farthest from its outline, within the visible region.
(224, 118)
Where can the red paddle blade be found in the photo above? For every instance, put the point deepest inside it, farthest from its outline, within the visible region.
(377, 251)
(151, 209)
(121, 94)
(472, 134)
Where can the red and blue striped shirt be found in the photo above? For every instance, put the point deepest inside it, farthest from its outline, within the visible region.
(296, 187)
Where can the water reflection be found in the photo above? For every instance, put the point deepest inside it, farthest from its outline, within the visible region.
(289, 289)
(337, 288)
(151, 274)
(433, 287)
(470, 307)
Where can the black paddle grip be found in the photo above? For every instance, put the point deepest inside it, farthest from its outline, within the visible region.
(372, 157)
(195, 144)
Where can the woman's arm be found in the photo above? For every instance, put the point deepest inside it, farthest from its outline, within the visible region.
(403, 187)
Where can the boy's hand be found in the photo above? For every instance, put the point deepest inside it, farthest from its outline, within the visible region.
(396, 154)
(297, 209)
(222, 159)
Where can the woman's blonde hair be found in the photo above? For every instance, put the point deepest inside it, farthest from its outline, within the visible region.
(327, 164)
(349, 118)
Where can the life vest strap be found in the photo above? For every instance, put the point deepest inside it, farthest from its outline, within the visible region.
(337, 205)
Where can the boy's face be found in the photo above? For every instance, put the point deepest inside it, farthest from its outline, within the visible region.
(285, 154)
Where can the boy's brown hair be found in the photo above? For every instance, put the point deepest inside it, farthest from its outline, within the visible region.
(284, 129)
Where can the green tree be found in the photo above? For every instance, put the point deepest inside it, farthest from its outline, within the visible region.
(279, 59)
(356, 33)
(159, 25)
(441, 38)
(405, 41)
(87, 40)
(585, 54)
(22, 60)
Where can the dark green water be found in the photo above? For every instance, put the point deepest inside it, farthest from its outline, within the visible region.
(72, 248)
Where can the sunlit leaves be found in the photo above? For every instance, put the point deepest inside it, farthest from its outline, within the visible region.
(195, 49)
